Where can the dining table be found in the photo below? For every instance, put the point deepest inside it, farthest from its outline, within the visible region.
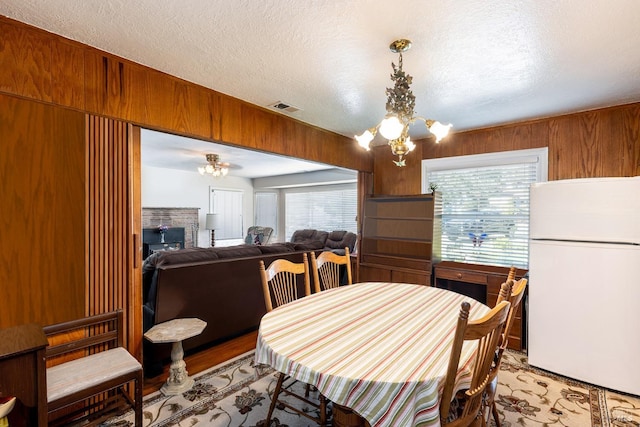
(380, 349)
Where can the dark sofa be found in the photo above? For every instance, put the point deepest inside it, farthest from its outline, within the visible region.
(334, 241)
(221, 286)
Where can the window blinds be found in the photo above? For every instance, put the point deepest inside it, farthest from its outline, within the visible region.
(325, 209)
(485, 217)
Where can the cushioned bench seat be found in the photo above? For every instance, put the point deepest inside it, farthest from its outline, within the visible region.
(77, 375)
(77, 388)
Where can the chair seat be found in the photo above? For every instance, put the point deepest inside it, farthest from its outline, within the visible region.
(83, 373)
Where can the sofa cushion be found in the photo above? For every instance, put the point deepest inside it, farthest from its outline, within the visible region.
(308, 246)
(183, 256)
(309, 235)
(276, 248)
(240, 251)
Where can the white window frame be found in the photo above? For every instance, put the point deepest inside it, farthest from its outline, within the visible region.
(535, 155)
(288, 230)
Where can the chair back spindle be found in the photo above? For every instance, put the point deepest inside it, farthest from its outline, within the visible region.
(327, 269)
(279, 281)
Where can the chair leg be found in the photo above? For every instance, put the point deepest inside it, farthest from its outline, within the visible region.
(274, 399)
(138, 402)
(323, 411)
(496, 416)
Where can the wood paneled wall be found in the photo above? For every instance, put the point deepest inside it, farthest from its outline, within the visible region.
(45, 67)
(113, 270)
(597, 143)
(42, 224)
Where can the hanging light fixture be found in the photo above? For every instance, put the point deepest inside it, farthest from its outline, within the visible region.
(400, 115)
(214, 167)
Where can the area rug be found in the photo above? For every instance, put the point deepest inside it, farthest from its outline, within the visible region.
(237, 393)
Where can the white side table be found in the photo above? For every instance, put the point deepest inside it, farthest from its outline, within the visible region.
(175, 331)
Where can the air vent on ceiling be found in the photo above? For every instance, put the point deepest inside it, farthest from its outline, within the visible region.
(284, 107)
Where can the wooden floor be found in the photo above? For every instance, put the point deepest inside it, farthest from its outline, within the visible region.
(205, 359)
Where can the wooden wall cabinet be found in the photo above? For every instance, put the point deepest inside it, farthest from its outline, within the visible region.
(23, 373)
(482, 282)
(400, 238)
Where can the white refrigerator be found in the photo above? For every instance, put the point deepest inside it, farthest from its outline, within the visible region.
(584, 274)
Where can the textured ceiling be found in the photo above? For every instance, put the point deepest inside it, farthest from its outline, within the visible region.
(474, 63)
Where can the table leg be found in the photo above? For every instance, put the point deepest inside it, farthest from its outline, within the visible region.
(179, 380)
(345, 417)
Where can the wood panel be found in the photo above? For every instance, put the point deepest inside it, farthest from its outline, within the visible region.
(603, 142)
(390, 179)
(43, 215)
(50, 68)
(134, 288)
(67, 74)
(112, 268)
(25, 62)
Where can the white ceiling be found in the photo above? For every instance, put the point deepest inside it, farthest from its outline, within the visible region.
(475, 63)
(163, 150)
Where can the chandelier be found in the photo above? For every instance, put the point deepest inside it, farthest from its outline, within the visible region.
(214, 167)
(400, 115)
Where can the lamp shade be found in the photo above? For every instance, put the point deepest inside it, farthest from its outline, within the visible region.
(212, 222)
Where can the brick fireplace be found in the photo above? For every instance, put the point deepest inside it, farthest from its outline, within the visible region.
(174, 217)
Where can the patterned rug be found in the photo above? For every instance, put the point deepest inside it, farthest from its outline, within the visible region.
(237, 393)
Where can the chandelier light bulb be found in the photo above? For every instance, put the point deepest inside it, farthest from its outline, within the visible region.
(391, 127)
(365, 139)
(201, 170)
(410, 145)
(439, 130)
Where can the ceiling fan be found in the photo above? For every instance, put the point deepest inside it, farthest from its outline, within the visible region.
(214, 166)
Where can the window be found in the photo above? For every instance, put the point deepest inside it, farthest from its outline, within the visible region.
(485, 204)
(327, 208)
(266, 210)
(228, 205)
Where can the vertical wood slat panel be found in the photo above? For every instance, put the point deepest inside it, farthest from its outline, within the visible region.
(110, 270)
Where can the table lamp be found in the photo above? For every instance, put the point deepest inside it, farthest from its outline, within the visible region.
(212, 222)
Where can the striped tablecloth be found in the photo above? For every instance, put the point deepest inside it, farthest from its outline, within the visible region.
(381, 349)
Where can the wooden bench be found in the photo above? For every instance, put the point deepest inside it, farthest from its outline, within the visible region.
(88, 371)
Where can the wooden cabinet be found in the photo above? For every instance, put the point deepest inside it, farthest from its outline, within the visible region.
(23, 374)
(400, 238)
(152, 241)
(482, 282)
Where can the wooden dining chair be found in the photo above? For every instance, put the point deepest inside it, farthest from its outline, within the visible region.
(513, 292)
(327, 269)
(466, 408)
(279, 281)
(279, 284)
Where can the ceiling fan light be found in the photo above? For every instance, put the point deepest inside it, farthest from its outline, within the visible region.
(439, 130)
(201, 170)
(391, 127)
(224, 171)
